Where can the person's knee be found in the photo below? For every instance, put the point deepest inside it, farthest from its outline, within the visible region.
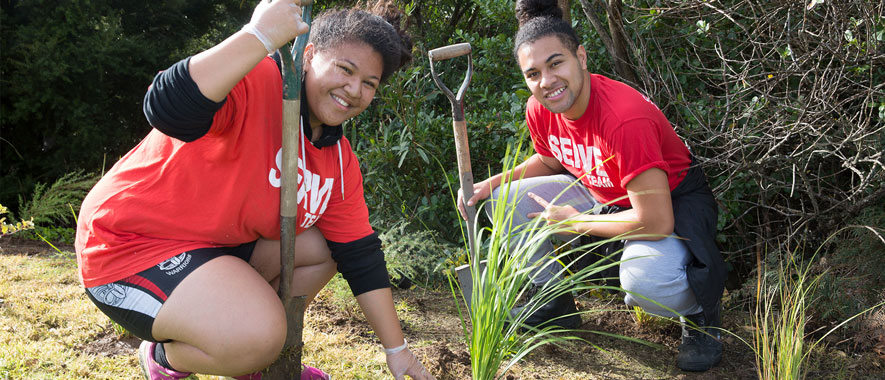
(635, 278)
(653, 267)
(254, 346)
(663, 293)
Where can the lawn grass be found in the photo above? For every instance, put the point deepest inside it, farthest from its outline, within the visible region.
(48, 324)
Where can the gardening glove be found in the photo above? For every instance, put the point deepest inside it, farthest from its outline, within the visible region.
(402, 362)
(276, 22)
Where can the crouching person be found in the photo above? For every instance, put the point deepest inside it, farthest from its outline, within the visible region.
(636, 176)
(179, 242)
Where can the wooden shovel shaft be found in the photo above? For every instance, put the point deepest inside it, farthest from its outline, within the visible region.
(465, 174)
(288, 194)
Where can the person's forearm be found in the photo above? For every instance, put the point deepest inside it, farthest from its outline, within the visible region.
(217, 70)
(619, 223)
(607, 225)
(377, 305)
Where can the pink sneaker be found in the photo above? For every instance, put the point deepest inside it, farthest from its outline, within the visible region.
(307, 373)
(311, 373)
(153, 370)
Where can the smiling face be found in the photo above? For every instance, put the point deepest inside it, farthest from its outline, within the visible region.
(556, 76)
(340, 81)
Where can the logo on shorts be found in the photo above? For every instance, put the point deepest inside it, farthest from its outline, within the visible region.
(175, 264)
(110, 294)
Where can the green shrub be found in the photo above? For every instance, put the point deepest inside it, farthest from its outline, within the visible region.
(13, 226)
(407, 135)
(853, 270)
(416, 256)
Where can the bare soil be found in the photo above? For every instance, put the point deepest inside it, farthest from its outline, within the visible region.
(109, 343)
(431, 322)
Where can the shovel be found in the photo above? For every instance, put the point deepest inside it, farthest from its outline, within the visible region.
(465, 173)
(288, 365)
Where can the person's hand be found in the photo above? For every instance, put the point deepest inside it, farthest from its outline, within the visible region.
(404, 363)
(481, 190)
(552, 213)
(276, 22)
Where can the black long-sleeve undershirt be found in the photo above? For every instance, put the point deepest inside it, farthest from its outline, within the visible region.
(361, 263)
(175, 106)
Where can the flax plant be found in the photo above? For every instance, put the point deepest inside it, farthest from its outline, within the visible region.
(780, 318)
(497, 340)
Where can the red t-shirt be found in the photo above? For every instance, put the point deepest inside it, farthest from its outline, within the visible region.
(166, 196)
(620, 135)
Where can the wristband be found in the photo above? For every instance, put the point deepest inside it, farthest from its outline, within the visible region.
(391, 351)
(253, 30)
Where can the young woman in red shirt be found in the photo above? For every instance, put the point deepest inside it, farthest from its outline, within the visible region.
(179, 242)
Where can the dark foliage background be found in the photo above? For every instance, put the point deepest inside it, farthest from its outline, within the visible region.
(74, 72)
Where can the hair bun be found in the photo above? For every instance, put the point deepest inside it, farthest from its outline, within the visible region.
(388, 10)
(529, 9)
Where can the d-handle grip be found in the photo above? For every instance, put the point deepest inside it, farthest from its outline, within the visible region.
(448, 52)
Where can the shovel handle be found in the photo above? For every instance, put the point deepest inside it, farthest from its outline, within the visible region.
(449, 52)
(460, 128)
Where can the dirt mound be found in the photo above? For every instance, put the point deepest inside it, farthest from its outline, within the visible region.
(442, 360)
(108, 343)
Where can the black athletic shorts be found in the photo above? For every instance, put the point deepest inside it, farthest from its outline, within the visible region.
(134, 301)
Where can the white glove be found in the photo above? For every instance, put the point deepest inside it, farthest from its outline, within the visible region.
(275, 23)
(402, 362)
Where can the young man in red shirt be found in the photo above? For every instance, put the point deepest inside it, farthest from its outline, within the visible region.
(638, 179)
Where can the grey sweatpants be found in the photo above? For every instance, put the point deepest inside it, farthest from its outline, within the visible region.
(654, 269)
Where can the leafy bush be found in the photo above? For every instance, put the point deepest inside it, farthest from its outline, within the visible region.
(407, 135)
(853, 273)
(416, 256)
(51, 235)
(11, 228)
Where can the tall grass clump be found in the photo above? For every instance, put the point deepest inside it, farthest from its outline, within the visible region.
(52, 210)
(497, 340)
(783, 296)
(54, 203)
(779, 319)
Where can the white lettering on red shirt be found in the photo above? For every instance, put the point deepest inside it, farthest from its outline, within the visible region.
(587, 158)
(312, 198)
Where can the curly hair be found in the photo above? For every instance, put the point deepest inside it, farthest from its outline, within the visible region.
(539, 19)
(377, 26)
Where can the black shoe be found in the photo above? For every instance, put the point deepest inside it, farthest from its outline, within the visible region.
(701, 348)
(553, 313)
